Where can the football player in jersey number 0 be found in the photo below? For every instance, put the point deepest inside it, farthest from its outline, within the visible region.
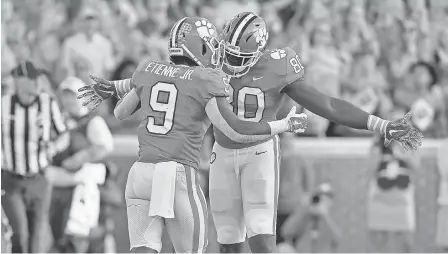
(179, 100)
(244, 177)
(250, 172)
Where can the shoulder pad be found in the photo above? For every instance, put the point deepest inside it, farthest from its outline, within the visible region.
(278, 54)
(142, 65)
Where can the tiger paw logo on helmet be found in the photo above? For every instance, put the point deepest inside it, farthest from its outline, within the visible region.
(278, 54)
(261, 37)
(205, 29)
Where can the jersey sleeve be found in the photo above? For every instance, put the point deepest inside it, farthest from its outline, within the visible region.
(136, 77)
(294, 69)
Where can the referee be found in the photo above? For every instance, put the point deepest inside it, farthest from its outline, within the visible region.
(30, 119)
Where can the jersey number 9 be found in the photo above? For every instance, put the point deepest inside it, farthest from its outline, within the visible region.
(167, 107)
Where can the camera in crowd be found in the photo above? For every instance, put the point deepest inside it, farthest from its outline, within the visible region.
(323, 191)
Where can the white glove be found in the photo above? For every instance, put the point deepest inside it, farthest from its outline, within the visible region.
(297, 122)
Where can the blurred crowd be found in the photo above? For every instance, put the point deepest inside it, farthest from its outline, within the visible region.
(386, 56)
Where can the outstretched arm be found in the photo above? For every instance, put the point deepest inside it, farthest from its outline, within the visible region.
(333, 109)
(220, 113)
(122, 86)
(127, 106)
(345, 113)
(94, 94)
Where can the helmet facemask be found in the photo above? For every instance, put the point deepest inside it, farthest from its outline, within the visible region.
(218, 54)
(239, 62)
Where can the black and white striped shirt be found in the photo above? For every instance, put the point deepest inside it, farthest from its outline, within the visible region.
(25, 128)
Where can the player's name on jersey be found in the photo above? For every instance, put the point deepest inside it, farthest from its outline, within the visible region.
(169, 71)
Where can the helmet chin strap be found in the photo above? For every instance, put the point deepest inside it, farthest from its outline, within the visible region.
(192, 56)
(239, 71)
(237, 74)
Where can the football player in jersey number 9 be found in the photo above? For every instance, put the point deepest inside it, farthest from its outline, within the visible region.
(179, 99)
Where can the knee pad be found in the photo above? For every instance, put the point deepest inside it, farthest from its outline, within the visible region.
(260, 224)
(230, 235)
(144, 231)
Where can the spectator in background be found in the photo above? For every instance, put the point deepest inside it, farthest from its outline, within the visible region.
(8, 63)
(152, 39)
(365, 87)
(101, 239)
(17, 39)
(29, 117)
(391, 206)
(223, 11)
(296, 184)
(421, 94)
(441, 54)
(313, 220)
(442, 200)
(401, 51)
(417, 13)
(365, 74)
(185, 8)
(120, 19)
(324, 71)
(77, 171)
(315, 12)
(46, 37)
(6, 232)
(354, 33)
(158, 11)
(87, 51)
(437, 14)
(124, 70)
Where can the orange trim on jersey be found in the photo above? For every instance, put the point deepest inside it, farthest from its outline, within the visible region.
(196, 206)
(277, 179)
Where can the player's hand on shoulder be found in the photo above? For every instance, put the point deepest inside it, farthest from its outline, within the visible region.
(404, 132)
(95, 93)
(219, 83)
(297, 122)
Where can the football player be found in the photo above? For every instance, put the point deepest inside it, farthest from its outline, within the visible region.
(244, 176)
(179, 99)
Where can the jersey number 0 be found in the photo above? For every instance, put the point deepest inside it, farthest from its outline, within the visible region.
(241, 103)
(166, 107)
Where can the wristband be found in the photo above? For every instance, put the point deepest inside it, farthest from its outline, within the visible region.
(377, 124)
(122, 87)
(279, 126)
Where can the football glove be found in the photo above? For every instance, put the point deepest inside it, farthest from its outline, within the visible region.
(297, 122)
(403, 132)
(97, 92)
